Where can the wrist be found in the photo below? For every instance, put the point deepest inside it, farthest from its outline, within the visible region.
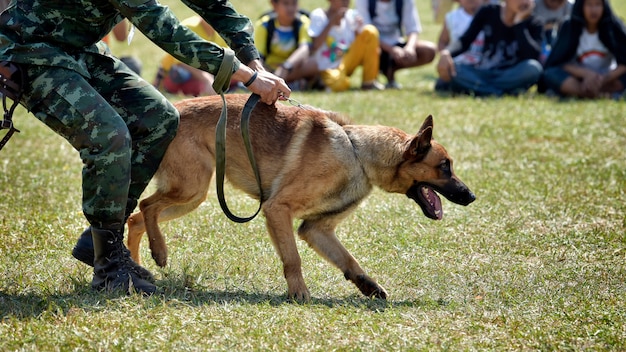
(252, 79)
(287, 66)
(256, 65)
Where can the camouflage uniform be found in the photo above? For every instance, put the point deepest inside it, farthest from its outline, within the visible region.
(118, 122)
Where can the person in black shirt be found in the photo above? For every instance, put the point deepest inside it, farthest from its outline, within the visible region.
(509, 62)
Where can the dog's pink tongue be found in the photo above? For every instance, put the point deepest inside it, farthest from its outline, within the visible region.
(435, 202)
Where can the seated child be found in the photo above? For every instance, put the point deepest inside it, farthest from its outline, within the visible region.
(455, 24)
(509, 62)
(176, 77)
(399, 26)
(283, 42)
(334, 31)
(589, 56)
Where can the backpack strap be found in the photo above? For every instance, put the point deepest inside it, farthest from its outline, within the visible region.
(271, 27)
(399, 5)
(372, 9)
(296, 28)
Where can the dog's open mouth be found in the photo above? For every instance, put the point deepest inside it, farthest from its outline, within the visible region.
(427, 199)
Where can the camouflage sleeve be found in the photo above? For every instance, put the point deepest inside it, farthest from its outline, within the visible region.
(236, 29)
(160, 25)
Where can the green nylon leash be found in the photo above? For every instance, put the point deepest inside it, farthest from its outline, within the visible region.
(221, 85)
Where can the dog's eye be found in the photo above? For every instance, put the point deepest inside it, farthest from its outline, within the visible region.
(445, 166)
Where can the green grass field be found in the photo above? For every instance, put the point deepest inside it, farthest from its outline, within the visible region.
(537, 262)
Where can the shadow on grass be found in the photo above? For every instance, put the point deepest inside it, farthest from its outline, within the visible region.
(36, 305)
(200, 298)
(182, 288)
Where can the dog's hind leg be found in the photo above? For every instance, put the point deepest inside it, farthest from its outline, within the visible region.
(177, 194)
(160, 208)
(158, 248)
(320, 235)
(136, 229)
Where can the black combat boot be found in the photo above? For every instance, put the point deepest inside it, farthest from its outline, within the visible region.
(113, 268)
(83, 250)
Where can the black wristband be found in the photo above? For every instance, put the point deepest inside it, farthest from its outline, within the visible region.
(247, 84)
(287, 66)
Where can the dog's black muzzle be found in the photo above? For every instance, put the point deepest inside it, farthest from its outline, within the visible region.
(425, 194)
(456, 192)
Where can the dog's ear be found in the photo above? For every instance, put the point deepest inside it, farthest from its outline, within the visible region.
(420, 144)
(428, 123)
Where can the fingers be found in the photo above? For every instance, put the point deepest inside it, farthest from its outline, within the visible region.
(280, 91)
(409, 58)
(446, 68)
(442, 71)
(270, 87)
(270, 98)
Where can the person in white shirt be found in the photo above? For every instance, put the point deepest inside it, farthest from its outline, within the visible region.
(509, 62)
(341, 43)
(455, 24)
(399, 25)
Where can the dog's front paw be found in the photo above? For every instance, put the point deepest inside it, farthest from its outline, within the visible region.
(300, 296)
(369, 287)
(160, 258)
(298, 291)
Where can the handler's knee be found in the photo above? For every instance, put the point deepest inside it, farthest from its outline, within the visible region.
(155, 125)
(169, 121)
(109, 137)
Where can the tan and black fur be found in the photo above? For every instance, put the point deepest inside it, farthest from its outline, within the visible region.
(314, 166)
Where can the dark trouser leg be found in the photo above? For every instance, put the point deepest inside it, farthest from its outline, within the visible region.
(120, 126)
(151, 124)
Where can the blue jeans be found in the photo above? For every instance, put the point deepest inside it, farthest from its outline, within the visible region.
(554, 77)
(483, 82)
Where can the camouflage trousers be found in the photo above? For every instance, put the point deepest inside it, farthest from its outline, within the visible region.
(119, 123)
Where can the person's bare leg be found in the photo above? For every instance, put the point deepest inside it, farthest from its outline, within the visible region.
(572, 87)
(425, 54)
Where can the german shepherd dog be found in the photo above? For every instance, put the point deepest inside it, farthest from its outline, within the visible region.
(314, 165)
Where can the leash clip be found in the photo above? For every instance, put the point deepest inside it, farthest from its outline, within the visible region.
(11, 78)
(6, 124)
(296, 103)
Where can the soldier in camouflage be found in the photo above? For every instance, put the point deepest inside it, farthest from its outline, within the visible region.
(119, 123)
